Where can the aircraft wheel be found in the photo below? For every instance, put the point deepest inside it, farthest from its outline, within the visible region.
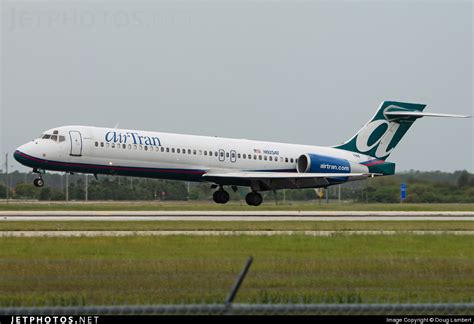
(224, 197)
(38, 182)
(221, 197)
(253, 199)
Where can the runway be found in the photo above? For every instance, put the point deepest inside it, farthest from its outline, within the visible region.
(220, 216)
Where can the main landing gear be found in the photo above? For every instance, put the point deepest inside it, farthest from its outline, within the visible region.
(253, 199)
(221, 196)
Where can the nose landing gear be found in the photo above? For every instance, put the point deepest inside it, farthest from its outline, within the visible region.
(38, 182)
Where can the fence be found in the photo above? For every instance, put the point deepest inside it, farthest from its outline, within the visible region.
(249, 309)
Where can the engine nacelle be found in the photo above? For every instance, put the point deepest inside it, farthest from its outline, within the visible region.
(315, 163)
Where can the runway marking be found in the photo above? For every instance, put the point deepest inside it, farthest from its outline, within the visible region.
(216, 233)
(236, 218)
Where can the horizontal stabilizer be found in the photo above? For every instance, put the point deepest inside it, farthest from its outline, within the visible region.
(420, 114)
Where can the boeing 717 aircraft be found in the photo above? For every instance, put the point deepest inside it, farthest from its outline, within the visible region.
(262, 166)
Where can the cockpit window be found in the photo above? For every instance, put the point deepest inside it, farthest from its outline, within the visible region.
(54, 137)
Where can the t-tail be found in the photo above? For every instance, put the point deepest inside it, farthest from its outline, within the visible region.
(379, 137)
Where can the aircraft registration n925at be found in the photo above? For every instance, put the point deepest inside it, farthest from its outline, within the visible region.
(262, 166)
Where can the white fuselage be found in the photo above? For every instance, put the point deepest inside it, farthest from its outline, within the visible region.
(97, 150)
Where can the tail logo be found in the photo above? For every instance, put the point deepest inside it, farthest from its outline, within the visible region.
(380, 134)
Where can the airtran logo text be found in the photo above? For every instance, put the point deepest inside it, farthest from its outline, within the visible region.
(131, 138)
(333, 167)
(387, 131)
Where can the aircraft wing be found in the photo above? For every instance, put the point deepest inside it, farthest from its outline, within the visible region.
(281, 180)
(280, 175)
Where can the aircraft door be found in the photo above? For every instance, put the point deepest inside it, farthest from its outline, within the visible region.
(221, 155)
(233, 156)
(76, 143)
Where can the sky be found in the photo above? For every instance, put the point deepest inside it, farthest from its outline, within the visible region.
(309, 72)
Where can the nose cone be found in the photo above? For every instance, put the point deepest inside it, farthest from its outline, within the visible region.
(23, 155)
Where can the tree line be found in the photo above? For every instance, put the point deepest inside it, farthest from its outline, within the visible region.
(422, 187)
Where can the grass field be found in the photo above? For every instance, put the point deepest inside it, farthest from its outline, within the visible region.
(234, 206)
(236, 225)
(181, 269)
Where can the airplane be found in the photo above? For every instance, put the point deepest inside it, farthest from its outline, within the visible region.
(261, 166)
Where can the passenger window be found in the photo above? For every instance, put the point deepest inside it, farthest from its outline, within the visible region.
(129, 146)
(254, 157)
(178, 150)
(135, 147)
(205, 153)
(215, 154)
(108, 145)
(113, 145)
(189, 151)
(184, 151)
(140, 147)
(101, 144)
(238, 155)
(172, 150)
(227, 155)
(210, 153)
(286, 160)
(96, 144)
(194, 152)
(222, 153)
(146, 148)
(162, 149)
(291, 160)
(167, 150)
(265, 157)
(270, 158)
(200, 152)
(259, 157)
(124, 146)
